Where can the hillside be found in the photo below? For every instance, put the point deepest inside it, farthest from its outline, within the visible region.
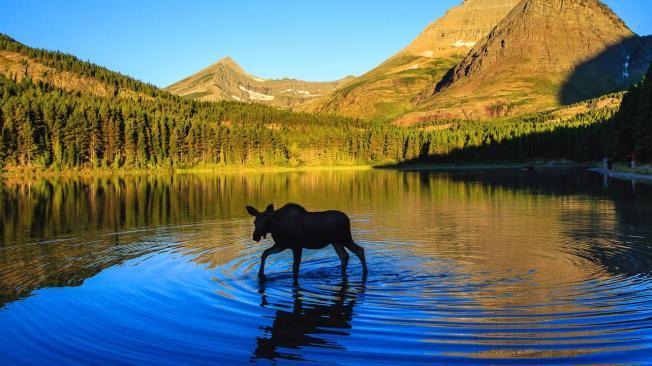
(543, 54)
(226, 80)
(389, 89)
(18, 62)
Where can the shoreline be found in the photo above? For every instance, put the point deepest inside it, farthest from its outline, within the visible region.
(621, 175)
(482, 166)
(26, 173)
(207, 170)
(29, 173)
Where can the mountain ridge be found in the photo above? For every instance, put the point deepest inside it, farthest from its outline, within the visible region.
(65, 71)
(227, 80)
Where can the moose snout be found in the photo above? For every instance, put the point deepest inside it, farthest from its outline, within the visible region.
(258, 236)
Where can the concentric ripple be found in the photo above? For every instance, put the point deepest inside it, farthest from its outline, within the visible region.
(502, 277)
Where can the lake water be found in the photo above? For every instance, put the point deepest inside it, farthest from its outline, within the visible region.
(479, 267)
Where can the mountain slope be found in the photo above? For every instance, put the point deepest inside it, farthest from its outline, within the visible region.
(545, 53)
(226, 80)
(388, 90)
(18, 62)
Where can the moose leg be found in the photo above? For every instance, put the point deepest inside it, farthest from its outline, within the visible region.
(297, 263)
(344, 257)
(273, 250)
(359, 252)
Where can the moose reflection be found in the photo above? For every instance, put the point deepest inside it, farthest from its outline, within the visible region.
(308, 324)
(292, 227)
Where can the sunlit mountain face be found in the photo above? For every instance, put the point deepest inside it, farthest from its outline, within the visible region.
(391, 88)
(226, 80)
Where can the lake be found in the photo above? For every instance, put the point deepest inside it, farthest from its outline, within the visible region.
(477, 267)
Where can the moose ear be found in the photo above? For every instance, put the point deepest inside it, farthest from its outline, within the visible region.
(269, 209)
(252, 211)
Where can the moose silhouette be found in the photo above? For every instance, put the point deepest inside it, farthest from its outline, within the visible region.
(293, 227)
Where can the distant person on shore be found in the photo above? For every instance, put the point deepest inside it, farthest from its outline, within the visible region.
(610, 164)
(605, 163)
(632, 161)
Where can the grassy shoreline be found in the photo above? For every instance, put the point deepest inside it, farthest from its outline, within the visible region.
(86, 172)
(93, 172)
(485, 166)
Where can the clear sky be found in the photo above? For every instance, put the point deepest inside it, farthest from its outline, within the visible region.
(162, 41)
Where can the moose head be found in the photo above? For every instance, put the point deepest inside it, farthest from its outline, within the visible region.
(260, 223)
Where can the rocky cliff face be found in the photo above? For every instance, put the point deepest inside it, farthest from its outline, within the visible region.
(389, 89)
(226, 80)
(542, 54)
(460, 29)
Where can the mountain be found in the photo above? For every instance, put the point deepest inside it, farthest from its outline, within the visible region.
(543, 54)
(389, 89)
(226, 80)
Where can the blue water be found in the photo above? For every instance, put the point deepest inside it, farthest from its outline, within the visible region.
(498, 267)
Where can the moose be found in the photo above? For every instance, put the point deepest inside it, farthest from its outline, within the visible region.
(293, 227)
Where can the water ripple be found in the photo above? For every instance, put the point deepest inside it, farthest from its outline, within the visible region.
(505, 279)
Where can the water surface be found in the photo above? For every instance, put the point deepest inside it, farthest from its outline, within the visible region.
(495, 267)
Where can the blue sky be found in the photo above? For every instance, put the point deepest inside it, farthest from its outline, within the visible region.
(164, 41)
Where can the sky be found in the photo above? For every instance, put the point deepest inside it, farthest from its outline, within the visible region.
(163, 41)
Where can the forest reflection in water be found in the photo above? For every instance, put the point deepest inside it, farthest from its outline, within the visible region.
(484, 265)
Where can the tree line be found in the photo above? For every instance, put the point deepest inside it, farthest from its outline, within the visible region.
(49, 128)
(631, 129)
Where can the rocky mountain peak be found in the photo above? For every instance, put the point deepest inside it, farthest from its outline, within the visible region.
(552, 35)
(460, 28)
(227, 80)
(543, 54)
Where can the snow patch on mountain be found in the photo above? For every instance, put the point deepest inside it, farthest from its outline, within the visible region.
(254, 95)
(302, 92)
(461, 43)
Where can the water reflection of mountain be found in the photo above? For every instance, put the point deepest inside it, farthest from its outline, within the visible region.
(60, 231)
(624, 247)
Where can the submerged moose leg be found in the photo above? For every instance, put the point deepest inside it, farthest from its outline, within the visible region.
(296, 264)
(359, 252)
(273, 250)
(344, 257)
